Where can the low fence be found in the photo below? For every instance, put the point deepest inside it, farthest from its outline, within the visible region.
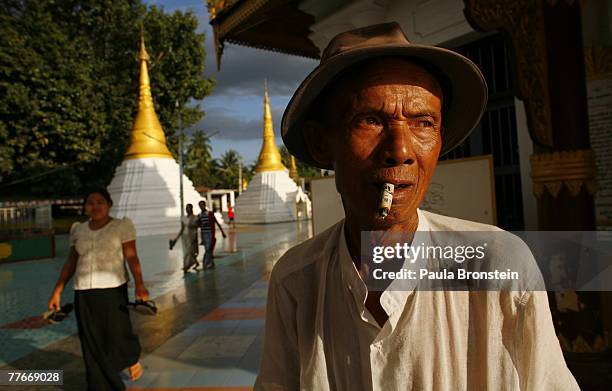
(26, 231)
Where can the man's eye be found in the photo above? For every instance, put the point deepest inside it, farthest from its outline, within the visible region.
(425, 123)
(369, 120)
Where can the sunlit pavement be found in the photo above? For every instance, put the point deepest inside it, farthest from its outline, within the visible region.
(207, 334)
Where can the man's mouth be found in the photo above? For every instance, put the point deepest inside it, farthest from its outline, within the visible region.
(398, 186)
(401, 186)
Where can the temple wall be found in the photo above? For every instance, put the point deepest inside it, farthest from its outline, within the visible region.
(597, 39)
(147, 190)
(270, 198)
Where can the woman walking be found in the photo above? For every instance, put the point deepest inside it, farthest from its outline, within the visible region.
(189, 238)
(99, 248)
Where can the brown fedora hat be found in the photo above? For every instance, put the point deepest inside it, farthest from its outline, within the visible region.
(465, 83)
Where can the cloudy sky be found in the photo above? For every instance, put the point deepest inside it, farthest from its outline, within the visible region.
(235, 108)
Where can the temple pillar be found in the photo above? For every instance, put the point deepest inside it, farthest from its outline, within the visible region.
(548, 57)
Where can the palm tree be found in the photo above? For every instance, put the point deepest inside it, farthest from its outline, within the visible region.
(226, 169)
(198, 160)
(304, 169)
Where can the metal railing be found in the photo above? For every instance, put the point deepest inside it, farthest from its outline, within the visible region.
(25, 221)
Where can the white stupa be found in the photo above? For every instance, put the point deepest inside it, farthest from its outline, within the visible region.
(146, 186)
(271, 196)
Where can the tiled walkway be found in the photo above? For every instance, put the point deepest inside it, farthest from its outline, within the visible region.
(206, 336)
(221, 349)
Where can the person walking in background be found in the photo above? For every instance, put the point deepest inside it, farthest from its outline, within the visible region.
(189, 238)
(230, 215)
(99, 248)
(214, 232)
(207, 220)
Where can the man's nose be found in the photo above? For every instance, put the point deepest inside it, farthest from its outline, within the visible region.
(397, 148)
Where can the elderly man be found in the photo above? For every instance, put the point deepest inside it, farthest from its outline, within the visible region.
(381, 110)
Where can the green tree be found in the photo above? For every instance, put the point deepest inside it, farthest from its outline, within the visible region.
(178, 69)
(198, 160)
(69, 86)
(227, 168)
(305, 170)
(248, 172)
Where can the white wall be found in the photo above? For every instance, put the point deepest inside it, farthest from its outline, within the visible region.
(430, 21)
(525, 146)
(423, 21)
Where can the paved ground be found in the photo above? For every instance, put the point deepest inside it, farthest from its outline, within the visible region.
(206, 336)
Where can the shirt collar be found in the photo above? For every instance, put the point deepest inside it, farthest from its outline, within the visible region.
(350, 275)
(395, 296)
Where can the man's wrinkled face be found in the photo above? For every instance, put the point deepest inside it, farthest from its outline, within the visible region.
(383, 122)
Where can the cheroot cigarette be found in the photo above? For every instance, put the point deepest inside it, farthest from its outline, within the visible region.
(386, 198)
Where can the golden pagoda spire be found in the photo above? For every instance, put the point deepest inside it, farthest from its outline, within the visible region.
(147, 138)
(269, 156)
(293, 172)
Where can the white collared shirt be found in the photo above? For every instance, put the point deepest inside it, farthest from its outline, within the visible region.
(320, 336)
(101, 263)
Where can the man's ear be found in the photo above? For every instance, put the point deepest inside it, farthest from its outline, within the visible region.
(317, 142)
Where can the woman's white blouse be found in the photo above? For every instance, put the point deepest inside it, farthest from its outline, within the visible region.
(101, 263)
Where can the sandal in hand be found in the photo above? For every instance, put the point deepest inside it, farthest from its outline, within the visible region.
(54, 316)
(144, 307)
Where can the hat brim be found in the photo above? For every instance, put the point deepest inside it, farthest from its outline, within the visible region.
(467, 84)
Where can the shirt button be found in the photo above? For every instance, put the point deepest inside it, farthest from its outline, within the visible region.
(350, 288)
